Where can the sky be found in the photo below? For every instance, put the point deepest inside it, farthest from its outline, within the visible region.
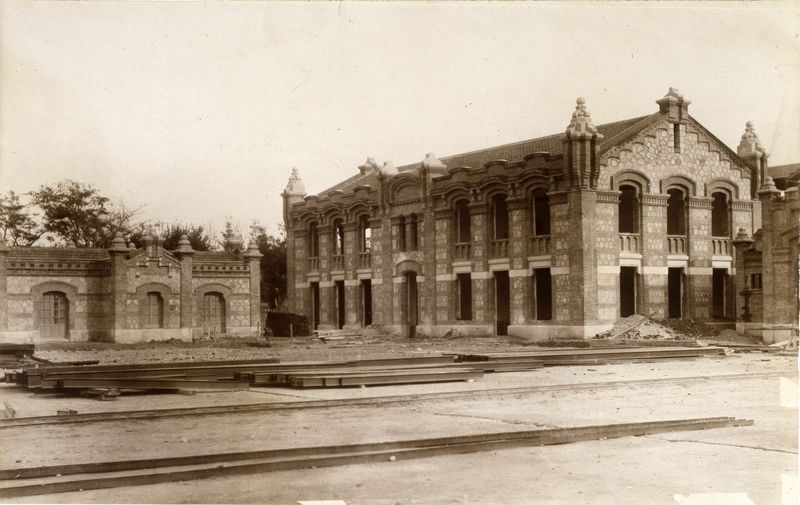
(199, 110)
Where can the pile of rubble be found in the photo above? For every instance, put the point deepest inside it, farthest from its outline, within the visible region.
(638, 327)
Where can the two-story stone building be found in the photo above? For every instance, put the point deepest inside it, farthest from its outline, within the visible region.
(124, 294)
(552, 237)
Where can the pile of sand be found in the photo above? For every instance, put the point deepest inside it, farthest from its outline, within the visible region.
(638, 327)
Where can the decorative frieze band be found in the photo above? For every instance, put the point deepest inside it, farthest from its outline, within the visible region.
(559, 198)
(654, 199)
(478, 208)
(445, 213)
(608, 197)
(517, 203)
(700, 202)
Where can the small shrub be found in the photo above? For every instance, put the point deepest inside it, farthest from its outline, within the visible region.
(278, 323)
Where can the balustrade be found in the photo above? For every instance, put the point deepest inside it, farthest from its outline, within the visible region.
(365, 260)
(539, 245)
(498, 248)
(337, 262)
(461, 251)
(721, 246)
(676, 244)
(313, 264)
(629, 242)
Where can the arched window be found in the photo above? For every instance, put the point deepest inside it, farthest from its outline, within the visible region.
(313, 240)
(628, 210)
(153, 310)
(720, 215)
(212, 313)
(413, 237)
(676, 212)
(364, 233)
(401, 233)
(338, 237)
(500, 217)
(461, 224)
(541, 213)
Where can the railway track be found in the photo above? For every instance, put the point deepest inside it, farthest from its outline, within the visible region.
(153, 414)
(67, 478)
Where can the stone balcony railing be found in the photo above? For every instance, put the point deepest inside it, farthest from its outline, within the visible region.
(337, 262)
(461, 251)
(630, 243)
(498, 248)
(539, 245)
(365, 260)
(721, 246)
(313, 264)
(676, 244)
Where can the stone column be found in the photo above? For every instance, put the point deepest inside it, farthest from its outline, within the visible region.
(770, 284)
(253, 258)
(518, 277)
(427, 289)
(185, 254)
(443, 260)
(607, 257)
(119, 282)
(352, 307)
(561, 229)
(481, 277)
(327, 291)
(742, 243)
(755, 156)
(386, 306)
(654, 256)
(698, 284)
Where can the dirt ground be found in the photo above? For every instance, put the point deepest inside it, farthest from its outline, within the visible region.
(754, 464)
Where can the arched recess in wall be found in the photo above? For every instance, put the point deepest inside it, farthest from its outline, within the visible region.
(404, 187)
(535, 191)
(54, 308)
(496, 196)
(407, 266)
(634, 177)
(212, 307)
(725, 185)
(686, 184)
(148, 296)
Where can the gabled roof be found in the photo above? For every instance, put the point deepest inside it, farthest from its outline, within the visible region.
(791, 171)
(512, 153)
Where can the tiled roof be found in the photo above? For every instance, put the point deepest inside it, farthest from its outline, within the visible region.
(791, 171)
(510, 152)
(57, 253)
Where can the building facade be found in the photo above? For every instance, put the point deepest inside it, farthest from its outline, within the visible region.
(124, 294)
(548, 238)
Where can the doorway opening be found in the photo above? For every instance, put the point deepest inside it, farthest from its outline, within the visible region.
(366, 302)
(719, 289)
(502, 301)
(315, 304)
(412, 312)
(675, 292)
(543, 293)
(627, 291)
(339, 304)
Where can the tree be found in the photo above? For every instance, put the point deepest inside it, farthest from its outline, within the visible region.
(75, 212)
(18, 226)
(231, 236)
(198, 238)
(273, 265)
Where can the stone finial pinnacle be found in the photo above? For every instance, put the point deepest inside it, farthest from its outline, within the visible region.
(581, 123)
(388, 169)
(433, 164)
(295, 185)
(742, 239)
(184, 247)
(750, 144)
(768, 187)
(252, 250)
(368, 167)
(118, 243)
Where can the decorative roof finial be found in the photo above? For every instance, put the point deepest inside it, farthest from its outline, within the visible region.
(295, 185)
(184, 246)
(581, 123)
(433, 164)
(750, 143)
(368, 167)
(388, 169)
(118, 243)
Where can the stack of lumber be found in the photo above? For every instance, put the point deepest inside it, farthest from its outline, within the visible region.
(583, 356)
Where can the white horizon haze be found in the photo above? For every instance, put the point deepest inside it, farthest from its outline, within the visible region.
(199, 110)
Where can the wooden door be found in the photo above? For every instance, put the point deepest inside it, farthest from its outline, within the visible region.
(213, 313)
(53, 316)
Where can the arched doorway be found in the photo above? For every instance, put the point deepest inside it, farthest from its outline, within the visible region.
(53, 316)
(213, 313)
(411, 318)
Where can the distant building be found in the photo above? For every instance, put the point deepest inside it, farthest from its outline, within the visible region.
(552, 237)
(123, 294)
